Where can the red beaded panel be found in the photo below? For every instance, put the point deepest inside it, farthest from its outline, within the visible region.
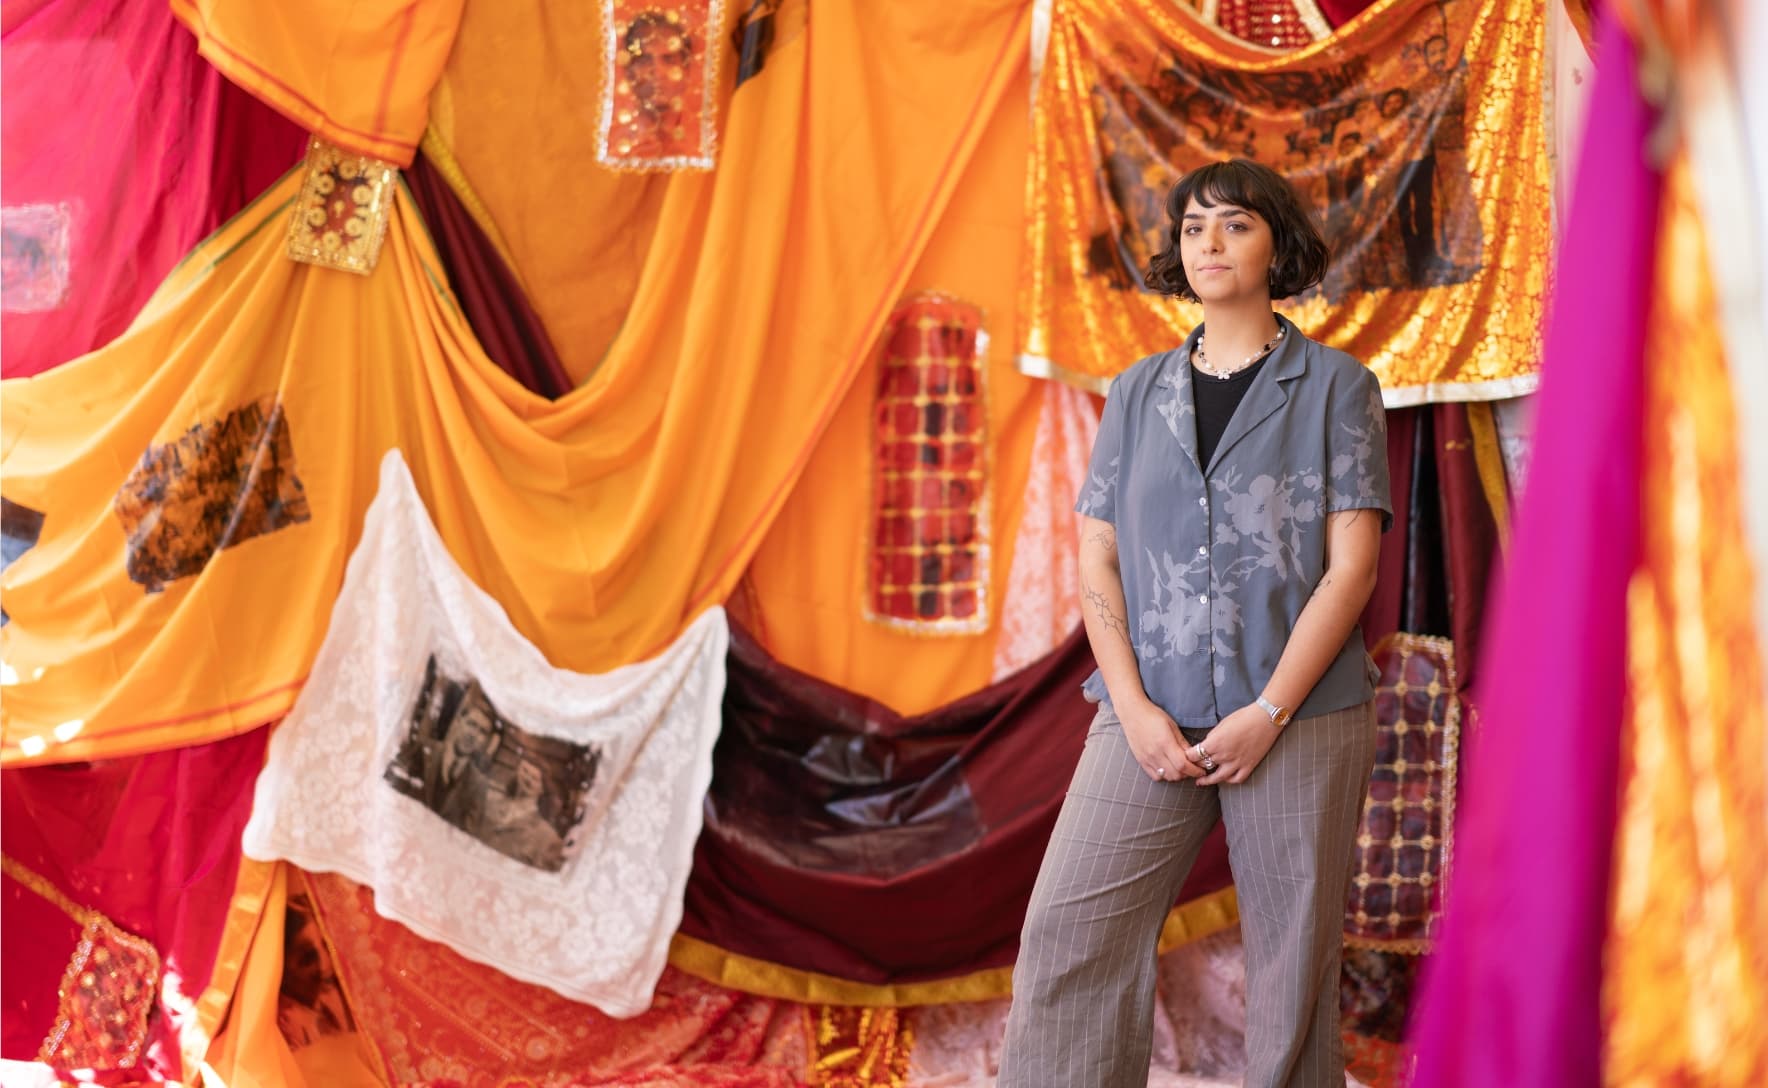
(929, 543)
(1404, 842)
(1274, 24)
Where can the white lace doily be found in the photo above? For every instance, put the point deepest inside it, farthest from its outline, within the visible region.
(596, 930)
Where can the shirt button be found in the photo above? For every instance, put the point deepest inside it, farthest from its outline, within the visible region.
(1201, 550)
(1203, 500)
(1203, 599)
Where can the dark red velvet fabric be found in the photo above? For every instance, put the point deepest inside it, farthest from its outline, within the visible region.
(152, 842)
(110, 116)
(493, 301)
(844, 838)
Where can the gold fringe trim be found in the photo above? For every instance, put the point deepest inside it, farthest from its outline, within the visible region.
(1187, 922)
(1489, 460)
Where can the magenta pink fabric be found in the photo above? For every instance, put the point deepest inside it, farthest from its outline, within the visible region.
(117, 131)
(1512, 996)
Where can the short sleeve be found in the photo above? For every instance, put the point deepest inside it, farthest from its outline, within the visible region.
(1356, 449)
(1098, 496)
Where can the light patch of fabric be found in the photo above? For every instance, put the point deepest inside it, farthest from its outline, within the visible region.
(1405, 838)
(34, 245)
(220, 483)
(340, 216)
(1041, 605)
(533, 819)
(659, 108)
(928, 569)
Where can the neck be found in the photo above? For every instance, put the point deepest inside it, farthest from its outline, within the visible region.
(1237, 329)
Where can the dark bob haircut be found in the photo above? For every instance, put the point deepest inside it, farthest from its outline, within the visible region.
(1298, 253)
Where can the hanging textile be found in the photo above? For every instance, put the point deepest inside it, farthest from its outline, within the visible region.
(356, 73)
(106, 183)
(502, 318)
(1532, 866)
(434, 748)
(602, 522)
(659, 105)
(835, 829)
(1688, 925)
(809, 574)
(436, 1017)
(1416, 133)
(154, 849)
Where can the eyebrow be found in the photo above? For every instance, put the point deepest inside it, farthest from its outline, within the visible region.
(1223, 210)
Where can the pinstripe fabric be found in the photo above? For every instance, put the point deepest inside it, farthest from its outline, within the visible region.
(1083, 989)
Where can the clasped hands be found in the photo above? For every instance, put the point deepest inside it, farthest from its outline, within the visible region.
(1234, 747)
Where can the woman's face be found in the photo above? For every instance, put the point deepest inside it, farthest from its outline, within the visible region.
(1226, 252)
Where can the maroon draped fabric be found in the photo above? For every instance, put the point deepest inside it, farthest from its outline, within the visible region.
(494, 303)
(844, 838)
(123, 149)
(150, 841)
(1436, 561)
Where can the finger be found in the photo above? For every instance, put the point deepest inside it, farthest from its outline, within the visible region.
(1185, 766)
(1217, 776)
(1241, 775)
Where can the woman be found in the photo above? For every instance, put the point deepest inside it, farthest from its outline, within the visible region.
(1230, 529)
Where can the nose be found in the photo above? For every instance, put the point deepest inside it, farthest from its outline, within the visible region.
(1211, 238)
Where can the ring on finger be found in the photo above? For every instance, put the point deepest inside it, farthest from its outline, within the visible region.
(1208, 764)
(1160, 772)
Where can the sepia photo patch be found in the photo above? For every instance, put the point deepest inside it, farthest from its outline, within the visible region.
(520, 793)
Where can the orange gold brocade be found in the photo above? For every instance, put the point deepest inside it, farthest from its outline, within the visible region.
(1685, 968)
(1416, 131)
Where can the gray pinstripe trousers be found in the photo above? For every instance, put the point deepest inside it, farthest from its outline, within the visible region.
(1083, 989)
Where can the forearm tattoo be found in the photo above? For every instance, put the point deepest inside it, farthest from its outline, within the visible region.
(1109, 619)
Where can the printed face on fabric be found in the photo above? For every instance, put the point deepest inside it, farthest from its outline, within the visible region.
(1226, 252)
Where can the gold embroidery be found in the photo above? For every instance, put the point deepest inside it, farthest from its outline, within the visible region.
(106, 994)
(1417, 132)
(340, 217)
(858, 1047)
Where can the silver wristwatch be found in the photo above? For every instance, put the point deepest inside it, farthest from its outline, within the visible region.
(1279, 715)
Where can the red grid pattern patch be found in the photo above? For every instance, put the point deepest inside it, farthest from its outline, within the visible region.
(929, 543)
(1405, 840)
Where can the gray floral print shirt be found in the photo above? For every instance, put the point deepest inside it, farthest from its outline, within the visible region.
(1219, 559)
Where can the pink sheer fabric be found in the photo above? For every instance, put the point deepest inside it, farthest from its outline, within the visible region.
(123, 150)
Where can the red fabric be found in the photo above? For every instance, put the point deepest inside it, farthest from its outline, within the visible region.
(109, 113)
(1340, 12)
(153, 843)
(1435, 569)
(844, 838)
(494, 303)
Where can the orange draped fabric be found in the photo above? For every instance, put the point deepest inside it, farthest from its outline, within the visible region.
(809, 575)
(513, 126)
(356, 73)
(203, 479)
(1688, 922)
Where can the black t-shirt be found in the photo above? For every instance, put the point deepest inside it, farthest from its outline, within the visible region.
(1216, 400)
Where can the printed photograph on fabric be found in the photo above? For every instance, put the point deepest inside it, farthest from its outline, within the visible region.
(522, 794)
(310, 1004)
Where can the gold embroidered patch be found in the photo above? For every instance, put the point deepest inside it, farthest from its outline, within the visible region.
(340, 218)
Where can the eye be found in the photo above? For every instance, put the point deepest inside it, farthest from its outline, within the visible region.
(1237, 226)
(1193, 229)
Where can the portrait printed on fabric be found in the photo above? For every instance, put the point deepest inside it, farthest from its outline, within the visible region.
(310, 1003)
(522, 794)
(220, 483)
(1382, 152)
(34, 257)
